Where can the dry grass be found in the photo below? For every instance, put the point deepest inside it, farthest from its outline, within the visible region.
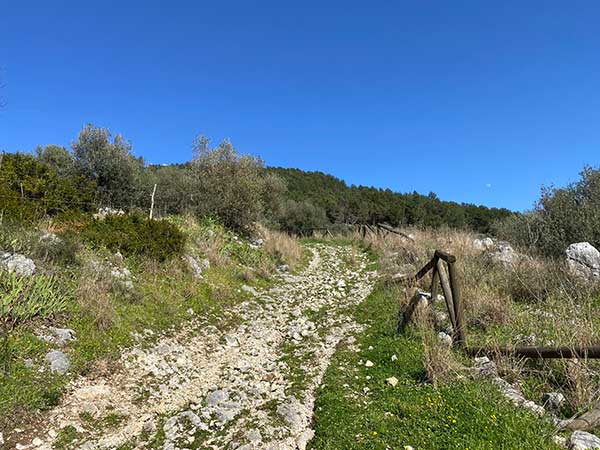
(281, 246)
(535, 301)
(93, 296)
(439, 360)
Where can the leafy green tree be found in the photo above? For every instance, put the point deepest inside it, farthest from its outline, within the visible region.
(561, 217)
(227, 185)
(58, 158)
(110, 163)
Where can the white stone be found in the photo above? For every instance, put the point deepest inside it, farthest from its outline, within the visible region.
(59, 362)
(584, 260)
(369, 363)
(581, 440)
(17, 264)
(445, 338)
(553, 400)
(392, 381)
(304, 438)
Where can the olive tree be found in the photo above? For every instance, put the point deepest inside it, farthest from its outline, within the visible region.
(110, 163)
(229, 186)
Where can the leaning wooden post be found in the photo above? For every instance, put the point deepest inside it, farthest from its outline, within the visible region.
(152, 202)
(434, 282)
(461, 339)
(447, 294)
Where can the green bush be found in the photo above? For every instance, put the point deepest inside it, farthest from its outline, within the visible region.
(561, 217)
(302, 217)
(30, 190)
(135, 235)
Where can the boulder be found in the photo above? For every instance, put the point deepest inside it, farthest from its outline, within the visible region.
(581, 440)
(504, 254)
(59, 362)
(58, 336)
(553, 400)
(484, 244)
(584, 260)
(17, 264)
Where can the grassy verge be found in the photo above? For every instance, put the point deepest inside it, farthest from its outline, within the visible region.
(357, 409)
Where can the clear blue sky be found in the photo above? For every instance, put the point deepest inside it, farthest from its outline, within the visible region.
(477, 101)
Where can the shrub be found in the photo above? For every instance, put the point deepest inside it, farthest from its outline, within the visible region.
(561, 217)
(135, 235)
(302, 217)
(23, 298)
(30, 190)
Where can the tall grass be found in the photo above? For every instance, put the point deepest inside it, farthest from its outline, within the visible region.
(23, 298)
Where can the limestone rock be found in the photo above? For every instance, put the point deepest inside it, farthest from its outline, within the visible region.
(304, 438)
(392, 381)
(484, 244)
(553, 400)
(581, 440)
(504, 254)
(16, 263)
(584, 260)
(59, 362)
(445, 338)
(58, 336)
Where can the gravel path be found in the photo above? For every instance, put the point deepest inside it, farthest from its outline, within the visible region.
(249, 387)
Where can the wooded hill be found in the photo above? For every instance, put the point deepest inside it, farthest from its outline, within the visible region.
(340, 203)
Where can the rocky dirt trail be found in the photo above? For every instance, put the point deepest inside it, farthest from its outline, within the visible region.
(250, 386)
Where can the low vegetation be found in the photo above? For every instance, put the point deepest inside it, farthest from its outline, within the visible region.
(135, 235)
(358, 408)
(532, 300)
(23, 298)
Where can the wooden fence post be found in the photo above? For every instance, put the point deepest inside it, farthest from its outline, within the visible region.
(461, 339)
(447, 294)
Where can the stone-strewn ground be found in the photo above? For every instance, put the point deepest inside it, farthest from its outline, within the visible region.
(248, 387)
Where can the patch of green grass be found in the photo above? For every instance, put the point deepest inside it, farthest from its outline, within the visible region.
(465, 414)
(66, 437)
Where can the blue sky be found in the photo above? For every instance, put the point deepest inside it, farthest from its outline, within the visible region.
(477, 101)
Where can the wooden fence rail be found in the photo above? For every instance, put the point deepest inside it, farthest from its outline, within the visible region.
(450, 289)
(443, 268)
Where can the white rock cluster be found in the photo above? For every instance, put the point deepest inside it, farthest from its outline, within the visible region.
(16, 263)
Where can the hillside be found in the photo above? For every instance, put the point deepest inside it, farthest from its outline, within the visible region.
(235, 308)
(343, 204)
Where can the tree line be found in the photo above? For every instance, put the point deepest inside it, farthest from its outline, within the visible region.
(328, 200)
(100, 169)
